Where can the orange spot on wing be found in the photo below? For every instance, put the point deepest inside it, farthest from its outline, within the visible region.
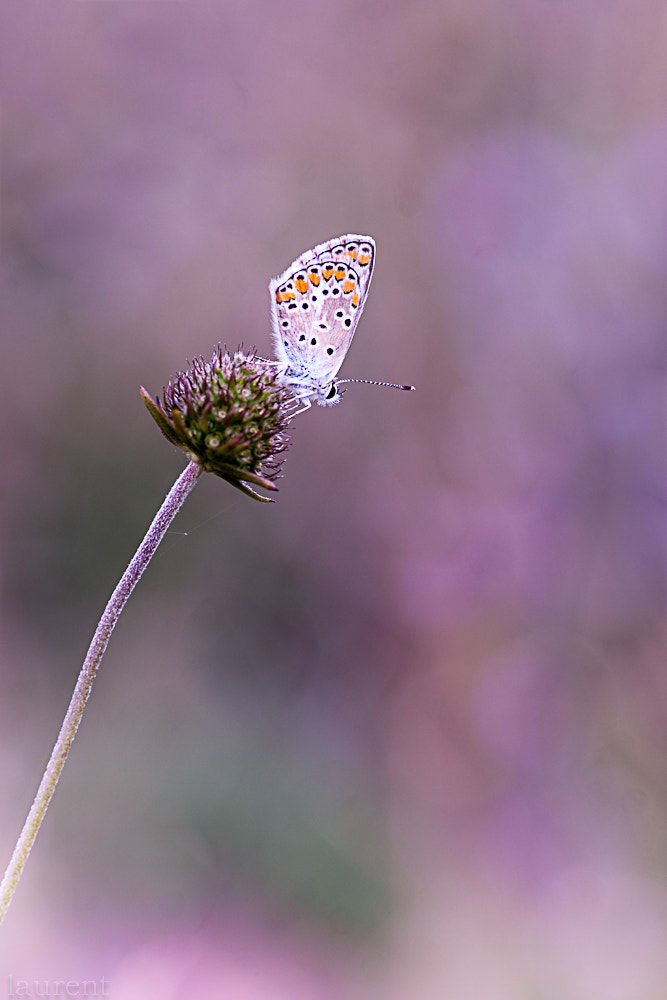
(349, 285)
(301, 285)
(327, 271)
(355, 299)
(340, 272)
(364, 258)
(314, 279)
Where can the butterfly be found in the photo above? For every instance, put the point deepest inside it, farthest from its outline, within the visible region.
(316, 305)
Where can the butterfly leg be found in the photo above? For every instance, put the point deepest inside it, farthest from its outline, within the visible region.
(304, 399)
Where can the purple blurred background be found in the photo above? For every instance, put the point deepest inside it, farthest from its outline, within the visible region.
(403, 734)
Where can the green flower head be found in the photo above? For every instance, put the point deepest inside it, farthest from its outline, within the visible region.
(230, 416)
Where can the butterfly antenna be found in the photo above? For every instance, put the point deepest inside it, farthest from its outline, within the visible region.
(368, 381)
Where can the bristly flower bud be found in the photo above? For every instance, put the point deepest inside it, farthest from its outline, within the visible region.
(229, 415)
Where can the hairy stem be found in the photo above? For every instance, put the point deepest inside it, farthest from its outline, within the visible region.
(166, 514)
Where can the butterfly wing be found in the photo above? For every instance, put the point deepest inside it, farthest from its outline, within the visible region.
(315, 307)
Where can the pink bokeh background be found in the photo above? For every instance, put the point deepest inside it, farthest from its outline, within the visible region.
(404, 732)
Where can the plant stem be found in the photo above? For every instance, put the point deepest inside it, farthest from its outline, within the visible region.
(166, 514)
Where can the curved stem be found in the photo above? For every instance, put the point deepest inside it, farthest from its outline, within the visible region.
(166, 514)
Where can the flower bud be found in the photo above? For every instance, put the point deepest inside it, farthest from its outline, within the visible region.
(228, 415)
